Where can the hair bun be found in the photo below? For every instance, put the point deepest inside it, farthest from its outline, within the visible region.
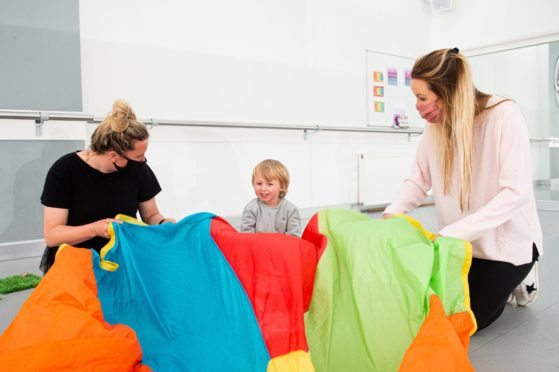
(121, 115)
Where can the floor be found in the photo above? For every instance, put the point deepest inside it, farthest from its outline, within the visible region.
(522, 339)
(10, 303)
(527, 338)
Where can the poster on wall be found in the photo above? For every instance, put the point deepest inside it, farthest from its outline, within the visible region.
(390, 101)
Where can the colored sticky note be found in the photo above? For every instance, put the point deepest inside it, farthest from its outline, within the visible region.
(378, 91)
(392, 74)
(407, 77)
(378, 77)
(379, 106)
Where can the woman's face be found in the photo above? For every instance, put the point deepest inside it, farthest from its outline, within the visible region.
(138, 152)
(427, 102)
(136, 155)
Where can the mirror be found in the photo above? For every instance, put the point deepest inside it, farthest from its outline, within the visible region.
(529, 76)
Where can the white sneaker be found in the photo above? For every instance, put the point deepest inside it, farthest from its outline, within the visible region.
(527, 291)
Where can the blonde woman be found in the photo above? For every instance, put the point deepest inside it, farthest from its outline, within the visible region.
(475, 156)
(85, 190)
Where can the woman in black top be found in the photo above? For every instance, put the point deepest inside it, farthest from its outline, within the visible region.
(85, 190)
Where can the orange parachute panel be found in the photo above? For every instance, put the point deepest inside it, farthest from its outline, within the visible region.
(437, 346)
(68, 331)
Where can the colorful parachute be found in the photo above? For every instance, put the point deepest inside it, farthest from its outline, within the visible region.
(198, 295)
(376, 283)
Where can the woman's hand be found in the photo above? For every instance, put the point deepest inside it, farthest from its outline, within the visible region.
(101, 228)
(168, 219)
(387, 215)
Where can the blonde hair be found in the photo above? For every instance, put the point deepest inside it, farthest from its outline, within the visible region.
(448, 75)
(118, 131)
(272, 169)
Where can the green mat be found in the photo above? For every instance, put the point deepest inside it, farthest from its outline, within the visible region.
(18, 283)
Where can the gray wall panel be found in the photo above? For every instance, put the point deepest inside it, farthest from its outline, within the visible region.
(23, 167)
(40, 67)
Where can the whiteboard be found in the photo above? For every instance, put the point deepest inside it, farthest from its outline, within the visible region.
(388, 89)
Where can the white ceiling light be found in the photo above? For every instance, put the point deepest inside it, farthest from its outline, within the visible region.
(439, 5)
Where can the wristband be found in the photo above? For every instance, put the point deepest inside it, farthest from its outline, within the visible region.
(160, 222)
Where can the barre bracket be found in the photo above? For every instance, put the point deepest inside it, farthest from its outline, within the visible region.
(306, 132)
(152, 123)
(43, 116)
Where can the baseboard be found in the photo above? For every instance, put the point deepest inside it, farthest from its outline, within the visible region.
(546, 182)
(429, 202)
(20, 250)
(548, 205)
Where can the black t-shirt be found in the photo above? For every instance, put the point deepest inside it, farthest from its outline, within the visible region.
(90, 195)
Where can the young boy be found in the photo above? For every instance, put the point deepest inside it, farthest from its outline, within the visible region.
(270, 211)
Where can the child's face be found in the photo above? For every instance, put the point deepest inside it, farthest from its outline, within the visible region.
(268, 191)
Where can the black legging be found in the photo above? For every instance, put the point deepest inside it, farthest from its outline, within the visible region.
(491, 283)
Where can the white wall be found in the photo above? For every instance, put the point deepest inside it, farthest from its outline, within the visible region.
(473, 24)
(289, 62)
(215, 176)
(296, 62)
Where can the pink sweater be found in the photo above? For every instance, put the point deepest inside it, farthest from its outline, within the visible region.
(502, 222)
